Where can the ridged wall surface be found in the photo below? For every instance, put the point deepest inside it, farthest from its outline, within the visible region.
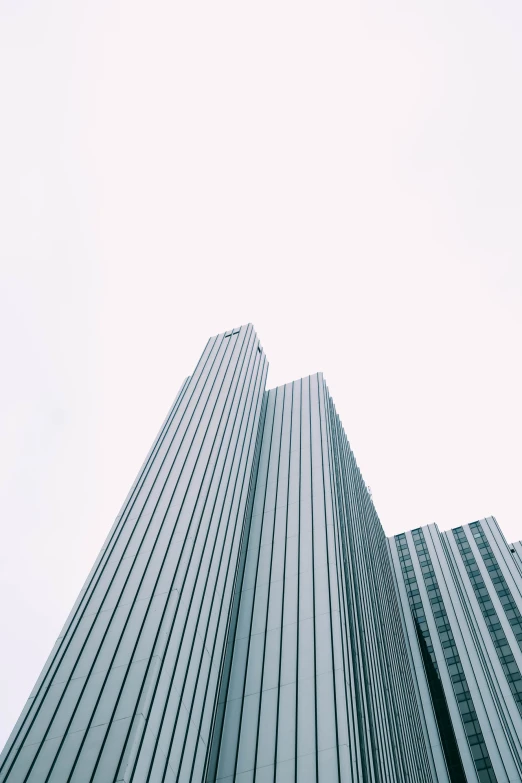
(319, 686)
(462, 608)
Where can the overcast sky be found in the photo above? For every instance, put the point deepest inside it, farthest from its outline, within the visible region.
(345, 175)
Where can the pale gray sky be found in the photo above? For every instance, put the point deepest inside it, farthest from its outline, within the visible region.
(346, 175)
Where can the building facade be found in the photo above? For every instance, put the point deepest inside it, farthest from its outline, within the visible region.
(247, 619)
(460, 593)
(318, 685)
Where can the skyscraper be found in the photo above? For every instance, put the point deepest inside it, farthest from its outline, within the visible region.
(247, 619)
(317, 684)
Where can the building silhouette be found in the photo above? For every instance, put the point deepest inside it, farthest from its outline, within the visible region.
(247, 619)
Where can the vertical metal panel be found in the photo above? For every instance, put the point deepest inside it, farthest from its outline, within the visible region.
(387, 728)
(320, 685)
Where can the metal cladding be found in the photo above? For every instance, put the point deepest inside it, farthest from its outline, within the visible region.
(319, 686)
(245, 622)
(461, 594)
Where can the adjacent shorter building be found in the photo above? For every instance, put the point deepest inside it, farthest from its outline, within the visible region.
(461, 598)
(247, 621)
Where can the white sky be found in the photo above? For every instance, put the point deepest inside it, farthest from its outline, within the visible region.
(346, 175)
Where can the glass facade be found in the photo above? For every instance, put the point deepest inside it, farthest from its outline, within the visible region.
(431, 666)
(452, 660)
(461, 594)
(491, 618)
(509, 605)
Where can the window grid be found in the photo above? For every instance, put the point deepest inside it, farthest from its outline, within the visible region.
(440, 705)
(413, 593)
(474, 736)
(491, 618)
(511, 610)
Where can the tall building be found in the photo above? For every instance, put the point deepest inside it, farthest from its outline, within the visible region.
(247, 619)
(317, 684)
(461, 597)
